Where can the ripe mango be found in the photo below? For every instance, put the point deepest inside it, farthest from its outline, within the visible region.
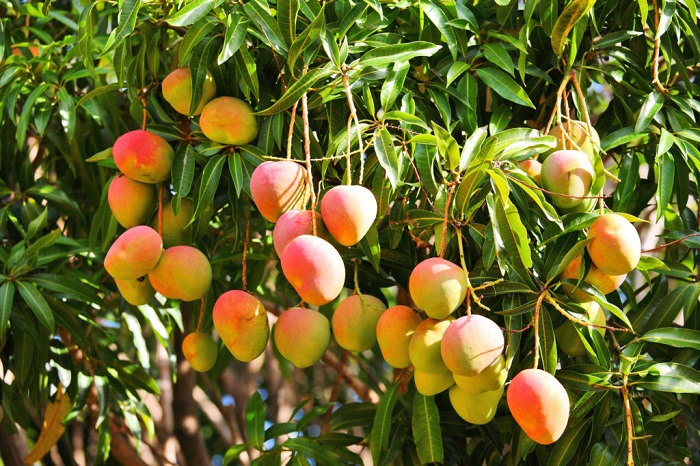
(616, 247)
(132, 202)
(135, 253)
(314, 268)
(183, 272)
(296, 322)
(424, 347)
(354, 322)
(143, 156)
(491, 378)
(295, 223)
(348, 212)
(431, 384)
(471, 344)
(136, 292)
(176, 231)
(200, 350)
(277, 187)
(177, 90)
(229, 120)
(570, 173)
(475, 408)
(568, 338)
(241, 321)
(437, 286)
(395, 328)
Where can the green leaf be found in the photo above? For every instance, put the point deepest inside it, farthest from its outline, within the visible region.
(182, 170)
(352, 415)
(287, 18)
(447, 146)
(384, 55)
(472, 148)
(295, 91)
(565, 448)
(496, 53)
(268, 27)
(66, 285)
(393, 85)
(306, 38)
(128, 13)
(66, 111)
(664, 189)
(27, 111)
(310, 449)
(571, 15)
(381, 427)
(406, 118)
(208, 184)
(386, 153)
(514, 236)
(98, 91)
(547, 345)
(192, 12)
(7, 294)
(456, 70)
(255, 420)
(236, 29)
(672, 336)
(568, 257)
(651, 106)
(441, 21)
(86, 31)
(426, 429)
(672, 378)
(504, 85)
(37, 304)
(194, 37)
(202, 54)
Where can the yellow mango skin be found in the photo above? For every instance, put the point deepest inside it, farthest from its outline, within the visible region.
(606, 284)
(314, 268)
(277, 187)
(176, 232)
(143, 156)
(437, 286)
(354, 322)
(479, 408)
(471, 344)
(491, 378)
(135, 253)
(567, 172)
(431, 384)
(424, 347)
(395, 328)
(616, 247)
(241, 322)
(183, 272)
(578, 131)
(539, 404)
(200, 350)
(229, 120)
(295, 223)
(348, 212)
(568, 338)
(291, 325)
(136, 292)
(132, 202)
(177, 91)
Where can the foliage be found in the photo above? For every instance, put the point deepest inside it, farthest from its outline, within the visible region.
(431, 105)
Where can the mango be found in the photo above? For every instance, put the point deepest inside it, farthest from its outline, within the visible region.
(302, 335)
(348, 212)
(314, 268)
(229, 120)
(606, 284)
(183, 272)
(570, 173)
(395, 328)
(277, 187)
(143, 156)
(568, 338)
(241, 321)
(471, 344)
(177, 90)
(539, 404)
(431, 384)
(135, 253)
(424, 347)
(615, 248)
(132, 202)
(176, 231)
(437, 286)
(354, 322)
(200, 350)
(578, 132)
(491, 378)
(136, 292)
(294, 223)
(533, 168)
(475, 408)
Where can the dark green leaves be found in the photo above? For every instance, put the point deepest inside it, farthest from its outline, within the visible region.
(7, 293)
(255, 420)
(386, 153)
(381, 427)
(382, 56)
(192, 12)
(37, 304)
(426, 429)
(296, 90)
(504, 85)
(571, 15)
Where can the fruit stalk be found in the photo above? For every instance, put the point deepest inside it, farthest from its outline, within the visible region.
(307, 154)
(353, 115)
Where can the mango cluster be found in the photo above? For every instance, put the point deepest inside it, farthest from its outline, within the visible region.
(303, 240)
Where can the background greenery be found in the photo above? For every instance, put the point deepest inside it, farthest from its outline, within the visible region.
(445, 97)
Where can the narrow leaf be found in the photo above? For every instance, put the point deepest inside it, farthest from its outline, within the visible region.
(571, 15)
(7, 294)
(255, 420)
(128, 14)
(504, 85)
(236, 28)
(672, 336)
(306, 38)
(384, 55)
(381, 427)
(426, 429)
(192, 12)
(386, 153)
(37, 304)
(208, 184)
(296, 90)
(651, 106)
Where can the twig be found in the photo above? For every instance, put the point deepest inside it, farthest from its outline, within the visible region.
(536, 323)
(680, 240)
(657, 49)
(445, 222)
(246, 241)
(307, 154)
(291, 130)
(628, 416)
(362, 390)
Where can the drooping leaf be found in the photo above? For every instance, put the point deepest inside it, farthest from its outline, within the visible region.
(381, 427)
(382, 56)
(192, 12)
(36, 302)
(255, 420)
(426, 429)
(571, 15)
(296, 90)
(504, 85)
